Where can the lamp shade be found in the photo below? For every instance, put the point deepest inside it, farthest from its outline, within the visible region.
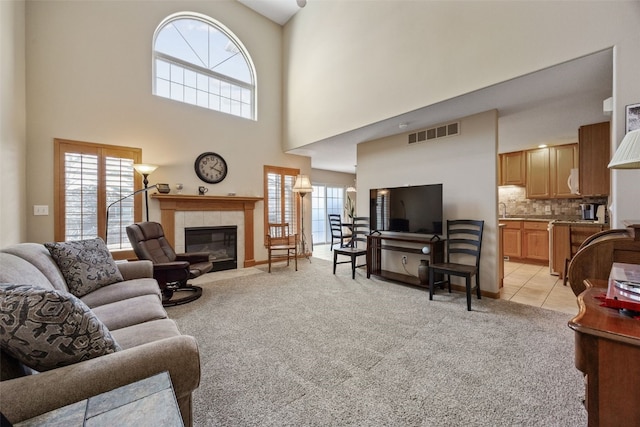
(627, 156)
(302, 185)
(144, 168)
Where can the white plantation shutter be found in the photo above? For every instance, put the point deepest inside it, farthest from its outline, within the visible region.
(81, 196)
(280, 200)
(120, 176)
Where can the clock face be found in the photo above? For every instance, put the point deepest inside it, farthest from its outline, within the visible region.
(210, 167)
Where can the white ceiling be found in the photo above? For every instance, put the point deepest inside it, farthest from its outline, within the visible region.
(279, 11)
(547, 106)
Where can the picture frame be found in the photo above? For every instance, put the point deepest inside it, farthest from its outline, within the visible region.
(632, 117)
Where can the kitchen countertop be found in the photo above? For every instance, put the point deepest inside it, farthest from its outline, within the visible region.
(555, 220)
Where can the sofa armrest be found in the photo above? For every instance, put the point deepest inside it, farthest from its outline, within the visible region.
(26, 397)
(136, 269)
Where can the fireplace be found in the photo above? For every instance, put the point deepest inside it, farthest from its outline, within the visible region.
(220, 242)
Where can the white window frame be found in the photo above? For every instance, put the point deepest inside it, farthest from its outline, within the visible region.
(252, 87)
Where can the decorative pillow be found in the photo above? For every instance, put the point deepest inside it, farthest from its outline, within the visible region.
(46, 329)
(85, 264)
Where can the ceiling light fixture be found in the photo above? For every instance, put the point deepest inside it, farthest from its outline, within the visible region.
(301, 3)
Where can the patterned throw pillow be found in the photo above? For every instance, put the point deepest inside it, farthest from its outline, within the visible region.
(85, 264)
(46, 329)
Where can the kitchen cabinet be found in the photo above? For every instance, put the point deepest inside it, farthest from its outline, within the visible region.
(512, 239)
(562, 159)
(512, 168)
(525, 240)
(595, 150)
(535, 240)
(537, 176)
(548, 171)
(560, 247)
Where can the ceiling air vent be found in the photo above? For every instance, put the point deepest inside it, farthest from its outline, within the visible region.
(436, 132)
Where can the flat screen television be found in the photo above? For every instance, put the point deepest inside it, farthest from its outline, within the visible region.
(411, 209)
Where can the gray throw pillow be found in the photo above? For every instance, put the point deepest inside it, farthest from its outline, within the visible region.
(46, 329)
(85, 264)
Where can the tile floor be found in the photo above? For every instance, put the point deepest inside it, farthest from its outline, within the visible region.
(523, 283)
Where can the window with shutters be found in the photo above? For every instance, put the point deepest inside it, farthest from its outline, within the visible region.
(280, 202)
(88, 178)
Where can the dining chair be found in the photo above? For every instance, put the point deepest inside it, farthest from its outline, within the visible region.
(464, 242)
(356, 247)
(337, 232)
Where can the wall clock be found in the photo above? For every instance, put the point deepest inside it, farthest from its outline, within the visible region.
(210, 167)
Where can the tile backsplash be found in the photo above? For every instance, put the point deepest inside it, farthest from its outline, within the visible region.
(519, 206)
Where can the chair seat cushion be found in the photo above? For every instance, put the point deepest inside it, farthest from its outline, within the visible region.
(350, 251)
(453, 267)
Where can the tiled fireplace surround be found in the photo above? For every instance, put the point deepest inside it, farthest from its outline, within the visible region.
(180, 211)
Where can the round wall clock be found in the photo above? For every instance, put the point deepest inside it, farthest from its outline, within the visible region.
(210, 167)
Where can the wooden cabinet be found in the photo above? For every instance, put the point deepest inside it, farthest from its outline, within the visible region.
(377, 245)
(595, 150)
(562, 159)
(512, 239)
(535, 240)
(526, 240)
(607, 348)
(537, 176)
(512, 168)
(561, 247)
(548, 171)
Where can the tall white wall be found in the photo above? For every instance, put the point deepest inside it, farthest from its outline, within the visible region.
(13, 213)
(89, 79)
(466, 165)
(353, 63)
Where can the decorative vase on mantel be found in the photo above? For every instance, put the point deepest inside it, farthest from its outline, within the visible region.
(423, 272)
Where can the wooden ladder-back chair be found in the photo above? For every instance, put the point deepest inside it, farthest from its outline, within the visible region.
(577, 235)
(282, 244)
(464, 237)
(598, 253)
(356, 247)
(337, 233)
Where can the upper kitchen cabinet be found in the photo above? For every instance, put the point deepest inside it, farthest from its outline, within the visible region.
(595, 141)
(549, 171)
(538, 186)
(512, 168)
(563, 158)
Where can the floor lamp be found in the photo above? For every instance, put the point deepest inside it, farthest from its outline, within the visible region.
(145, 170)
(302, 186)
(145, 189)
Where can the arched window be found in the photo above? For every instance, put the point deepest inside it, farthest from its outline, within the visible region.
(197, 60)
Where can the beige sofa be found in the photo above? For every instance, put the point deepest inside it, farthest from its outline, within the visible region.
(131, 310)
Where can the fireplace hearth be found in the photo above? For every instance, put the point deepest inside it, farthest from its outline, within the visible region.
(220, 242)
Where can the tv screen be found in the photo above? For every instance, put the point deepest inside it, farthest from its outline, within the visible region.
(412, 209)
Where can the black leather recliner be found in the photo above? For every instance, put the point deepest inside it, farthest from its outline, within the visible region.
(171, 270)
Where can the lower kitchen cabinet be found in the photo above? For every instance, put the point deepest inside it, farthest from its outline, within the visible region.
(512, 239)
(526, 240)
(535, 240)
(561, 248)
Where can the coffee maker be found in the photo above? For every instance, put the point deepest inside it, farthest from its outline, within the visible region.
(588, 211)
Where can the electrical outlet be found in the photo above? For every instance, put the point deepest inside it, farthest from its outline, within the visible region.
(404, 259)
(547, 209)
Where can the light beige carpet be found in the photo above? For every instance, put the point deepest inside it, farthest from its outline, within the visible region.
(308, 348)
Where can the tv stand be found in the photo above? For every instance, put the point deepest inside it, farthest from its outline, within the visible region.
(377, 243)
